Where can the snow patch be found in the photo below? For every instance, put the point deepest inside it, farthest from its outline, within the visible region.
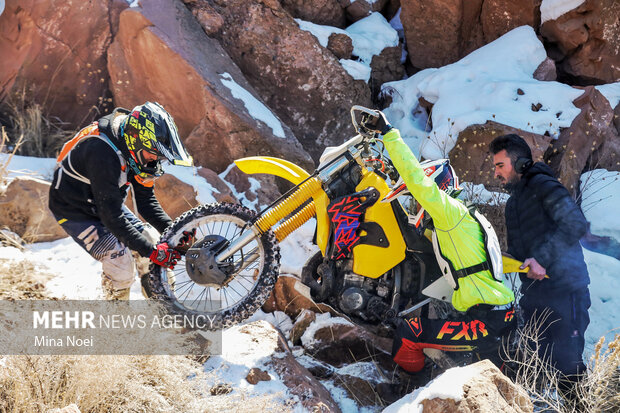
(41, 168)
(478, 194)
(357, 70)
(481, 87)
(552, 9)
(321, 32)
(611, 91)
(600, 196)
(255, 108)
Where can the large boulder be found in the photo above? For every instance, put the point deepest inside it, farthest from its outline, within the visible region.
(155, 56)
(57, 51)
(301, 81)
(174, 195)
(585, 41)
(325, 12)
(25, 212)
(575, 147)
(386, 67)
(472, 160)
(479, 387)
(439, 32)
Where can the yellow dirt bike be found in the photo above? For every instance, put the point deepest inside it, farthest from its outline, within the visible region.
(372, 262)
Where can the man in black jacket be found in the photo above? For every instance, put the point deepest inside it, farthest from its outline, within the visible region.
(544, 226)
(90, 185)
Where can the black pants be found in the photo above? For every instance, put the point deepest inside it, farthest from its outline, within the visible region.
(475, 331)
(562, 340)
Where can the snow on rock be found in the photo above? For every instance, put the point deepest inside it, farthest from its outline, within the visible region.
(258, 345)
(552, 9)
(255, 108)
(190, 176)
(611, 92)
(447, 386)
(322, 320)
(369, 35)
(481, 87)
(605, 297)
(600, 196)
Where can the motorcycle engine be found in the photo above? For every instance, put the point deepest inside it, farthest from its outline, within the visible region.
(363, 297)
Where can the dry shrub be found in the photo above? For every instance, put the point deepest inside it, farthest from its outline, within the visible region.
(598, 392)
(40, 135)
(102, 383)
(22, 280)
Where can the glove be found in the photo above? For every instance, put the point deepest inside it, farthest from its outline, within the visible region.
(187, 240)
(378, 124)
(165, 256)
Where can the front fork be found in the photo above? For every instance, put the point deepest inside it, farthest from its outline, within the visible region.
(307, 190)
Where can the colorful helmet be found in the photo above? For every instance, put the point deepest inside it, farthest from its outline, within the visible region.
(444, 176)
(150, 129)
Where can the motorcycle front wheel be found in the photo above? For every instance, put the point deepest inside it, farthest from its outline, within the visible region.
(255, 268)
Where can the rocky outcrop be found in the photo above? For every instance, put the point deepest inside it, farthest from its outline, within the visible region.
(300, 80)
(485, 390)
(440, 32)
(546, 71)
(472, 160)
(576, 145)
(155, 57)
(325, 12)
(57, 51)
(586, 42)
(23, 209)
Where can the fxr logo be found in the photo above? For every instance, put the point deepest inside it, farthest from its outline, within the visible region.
(509, 316)
(473, 327)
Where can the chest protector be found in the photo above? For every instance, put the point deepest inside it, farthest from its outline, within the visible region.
(64, 158)
(492, 248)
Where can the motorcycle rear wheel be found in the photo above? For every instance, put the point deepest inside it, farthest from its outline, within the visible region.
(249, 286)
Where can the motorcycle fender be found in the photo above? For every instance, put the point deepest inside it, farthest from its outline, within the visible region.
(294, 174)
(370, 260)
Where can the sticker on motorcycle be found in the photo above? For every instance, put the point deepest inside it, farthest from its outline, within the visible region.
(345, 214)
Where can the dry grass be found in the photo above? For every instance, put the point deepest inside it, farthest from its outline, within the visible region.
(102, 384)
(27, 123)
(598, 392)
(22, 280)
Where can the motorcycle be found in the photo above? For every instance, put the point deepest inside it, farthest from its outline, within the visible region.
(372, 260)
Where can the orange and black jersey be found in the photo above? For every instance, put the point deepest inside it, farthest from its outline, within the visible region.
(92, 184)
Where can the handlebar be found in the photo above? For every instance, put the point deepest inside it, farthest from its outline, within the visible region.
(366, 116)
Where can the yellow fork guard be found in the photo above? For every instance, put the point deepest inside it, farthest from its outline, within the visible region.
(294, 174)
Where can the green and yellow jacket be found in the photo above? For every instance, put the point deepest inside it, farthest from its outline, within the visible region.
(458, 233)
